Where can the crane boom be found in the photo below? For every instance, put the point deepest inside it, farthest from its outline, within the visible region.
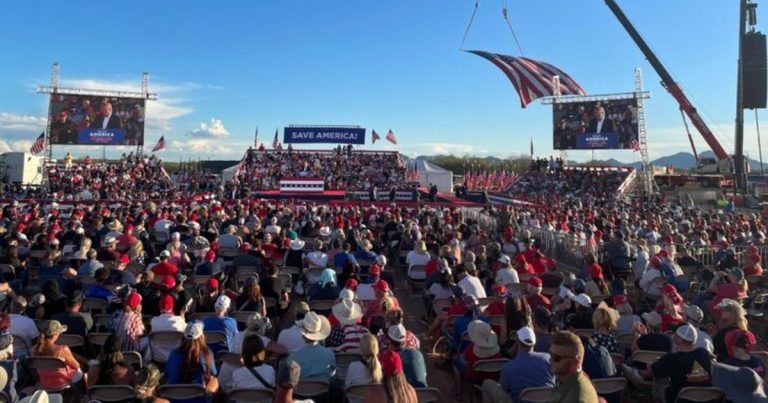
(669, 83)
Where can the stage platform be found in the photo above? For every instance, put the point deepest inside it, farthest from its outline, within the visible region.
(338, 196)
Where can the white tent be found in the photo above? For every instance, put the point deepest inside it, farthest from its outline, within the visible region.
(430, 173)
(229, 173)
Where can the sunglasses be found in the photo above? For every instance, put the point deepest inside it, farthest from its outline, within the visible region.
(558, 357)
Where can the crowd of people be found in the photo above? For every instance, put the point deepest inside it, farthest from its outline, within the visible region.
(341, 168)
(268, 296)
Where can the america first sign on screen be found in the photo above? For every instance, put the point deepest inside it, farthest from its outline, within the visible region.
(101, 137)
(324, 134)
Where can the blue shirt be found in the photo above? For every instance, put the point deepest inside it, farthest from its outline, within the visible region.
(526, 370)
(414, 368)
(225, 324)
(173, 374)
(340, 259)
(98, 291)
(316, 361)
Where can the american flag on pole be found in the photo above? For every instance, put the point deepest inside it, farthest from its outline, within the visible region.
(275, 143)
(635, 145)
(374, 136)
(160, 145)
(391, 137)
(532, 78)
(39, 145)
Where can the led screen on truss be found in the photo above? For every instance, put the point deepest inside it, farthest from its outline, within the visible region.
(595, 125)
(96, 120)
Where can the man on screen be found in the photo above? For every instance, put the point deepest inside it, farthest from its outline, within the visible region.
(63, 131)
(599, 122)
(106, 119)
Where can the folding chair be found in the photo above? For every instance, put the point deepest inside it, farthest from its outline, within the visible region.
(112, 393)
(201, 316)
(215, 337)
(167, 340)
(70, 340)
(536, 395)
(609, 386)
(700, 394)
(98, 339)
(49, 365)
(101, 320)
(428, 395)
(342, 363)
(181, 392)
(361, 392)
(233, 359)
(321, 305)
(417, 276)
(94, 304)
(252, 395)
(311, 389)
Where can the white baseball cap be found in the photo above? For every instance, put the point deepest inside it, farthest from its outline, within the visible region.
(194, 330)
(222, 303)
(526, 335)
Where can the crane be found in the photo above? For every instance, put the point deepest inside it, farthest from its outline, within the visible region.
(723, 162)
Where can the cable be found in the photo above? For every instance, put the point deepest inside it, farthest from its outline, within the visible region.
(505, 13)
(759, 145)
(471, 19)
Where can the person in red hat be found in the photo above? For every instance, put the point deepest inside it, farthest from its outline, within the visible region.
(521, 264)
(129, 325)
(551, 278)
(534, 297)
(739, 344)
(384, 302)
(596, 284)
(671, 307)
(753, 269)
(167, 321)
(397, 386)
(206, 301)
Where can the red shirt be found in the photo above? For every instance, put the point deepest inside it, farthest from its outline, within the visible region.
(456, 309)
(471, 358)
(165, 269)
(537, 300)
(430, 267)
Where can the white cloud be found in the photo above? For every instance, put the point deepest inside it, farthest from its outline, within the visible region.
(439, 148)
(214, 129)
(13, 123)
(19, 145)
(208, 147)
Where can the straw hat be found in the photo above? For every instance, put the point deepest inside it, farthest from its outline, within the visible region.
(347, 312)
(421, 248)
(486, 343)
(314, 327)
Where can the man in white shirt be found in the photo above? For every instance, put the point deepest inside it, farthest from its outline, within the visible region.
(506, 274)
(694, 316)
(166, 322)
(291, 338)
(316, 258)
(22, 327)
(470, 283)
(273, 228)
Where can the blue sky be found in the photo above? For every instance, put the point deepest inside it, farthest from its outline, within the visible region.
(222, 69)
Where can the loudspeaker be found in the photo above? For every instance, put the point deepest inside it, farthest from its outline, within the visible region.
(755, 71)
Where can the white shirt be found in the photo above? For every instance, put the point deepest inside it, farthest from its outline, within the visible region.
(318, 259)
(242, 378)
(365, 292)
(106, 121)
(357, 374)
(599, 125)
(23, 327)
(438, 291)
(273, 229)
(507, 276)
(472, 286)
(291, 339)
(165, 323)
(163, 225)
(237, 341)
(416, 259)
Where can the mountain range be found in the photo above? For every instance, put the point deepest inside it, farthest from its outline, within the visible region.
(681, 160)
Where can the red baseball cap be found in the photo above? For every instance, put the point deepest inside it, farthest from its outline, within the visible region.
(534, 282)
(133, 300)
(166, 303)
(619, 299)
(210, 256)
(168, 282)
(391, 363)
(499, 290)
(381, 285)
(213, 283)
(655, 261)
(743, 338)
(374, 271)
(351, 284)
(125, 259)
(663, 253)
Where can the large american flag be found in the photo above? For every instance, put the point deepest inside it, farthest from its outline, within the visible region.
(39, 145)
(160, 145)
(532, 78)
(391, 137)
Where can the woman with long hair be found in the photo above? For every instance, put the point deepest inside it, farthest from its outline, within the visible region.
(605, 321)
(192, 362)
(110, 368)
(251, 298)
(255, 373)
(47, 347)
(732, 317)
(136, 252)
(396, 385)
(517, 314)
(368, 369)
